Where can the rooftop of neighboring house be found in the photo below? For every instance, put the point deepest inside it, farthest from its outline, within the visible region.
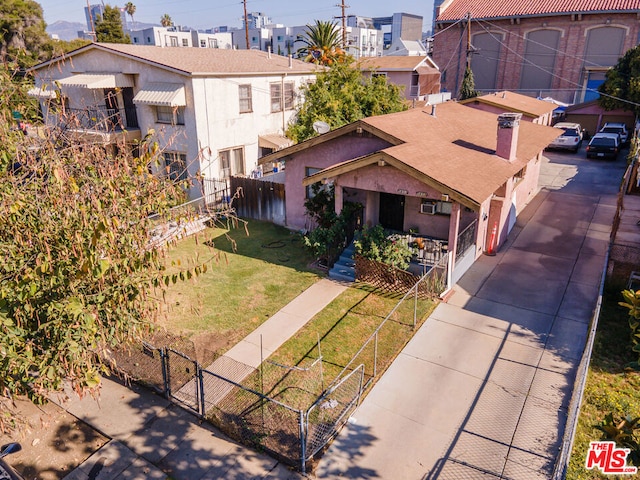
(457, 9)
(392, 62)
(452, 146)
(200, 61)
(514, 102)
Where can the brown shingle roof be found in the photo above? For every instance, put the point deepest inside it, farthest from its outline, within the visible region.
(515, 102)
(456, 146)
(508, 8)
(391, 62)
(204, 61)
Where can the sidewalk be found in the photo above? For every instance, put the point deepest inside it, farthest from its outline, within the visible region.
(151, 438)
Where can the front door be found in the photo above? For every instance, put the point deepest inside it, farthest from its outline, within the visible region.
(391, 211)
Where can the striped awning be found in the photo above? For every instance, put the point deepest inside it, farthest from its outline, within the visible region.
(274, 141)
(41, 93)
(162, 94)
(98, 80)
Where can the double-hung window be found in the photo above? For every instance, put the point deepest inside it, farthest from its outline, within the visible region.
(244, 92)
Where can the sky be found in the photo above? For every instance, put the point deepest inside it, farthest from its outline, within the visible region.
(203, 14)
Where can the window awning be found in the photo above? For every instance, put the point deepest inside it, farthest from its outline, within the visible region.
(98, 80)
(162, 94)
(274, 141)
(41, 93)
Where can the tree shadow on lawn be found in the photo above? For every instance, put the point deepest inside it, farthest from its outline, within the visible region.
(266, 241)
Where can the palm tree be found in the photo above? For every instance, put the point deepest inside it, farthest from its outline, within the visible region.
(166, 21)
(130, 8)
(322, 43)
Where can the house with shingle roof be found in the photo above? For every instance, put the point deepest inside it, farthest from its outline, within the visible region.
(532, 109)
(214, 111)
(556, 48)
(417, 75)
(450, 172)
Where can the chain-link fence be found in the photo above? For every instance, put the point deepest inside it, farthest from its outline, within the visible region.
(290, 411)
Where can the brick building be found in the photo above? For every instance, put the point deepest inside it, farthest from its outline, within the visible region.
(558, 48)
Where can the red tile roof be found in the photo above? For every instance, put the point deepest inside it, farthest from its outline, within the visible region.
(392, 62)
(458, 9)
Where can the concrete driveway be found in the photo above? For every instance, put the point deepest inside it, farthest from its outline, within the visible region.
(482, 389)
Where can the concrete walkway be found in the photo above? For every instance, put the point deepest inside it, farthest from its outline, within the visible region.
(152, 438)
(482, 389)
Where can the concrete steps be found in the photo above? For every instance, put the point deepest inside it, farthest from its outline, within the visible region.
(344, 269)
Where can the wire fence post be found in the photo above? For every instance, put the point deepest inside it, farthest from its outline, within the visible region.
(165, 372)
(415, 305)
(203, 410)
(375, 355)
(303, 452)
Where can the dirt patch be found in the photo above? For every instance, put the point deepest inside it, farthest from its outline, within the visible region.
(53, 441)
(206, 346)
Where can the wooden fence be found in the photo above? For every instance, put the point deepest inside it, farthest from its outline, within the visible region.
(259, 199)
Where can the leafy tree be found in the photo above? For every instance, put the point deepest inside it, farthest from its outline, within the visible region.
(109, 26)
(166, 21)
(322, 44)
(623, 83)
(130, 8)
(341, 95)
(78, 273)
(22, 30)
(468, 87)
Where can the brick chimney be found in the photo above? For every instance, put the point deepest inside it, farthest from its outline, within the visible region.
(508, 127)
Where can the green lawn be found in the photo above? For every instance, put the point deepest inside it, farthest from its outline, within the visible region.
(241, 289)
(609, 388)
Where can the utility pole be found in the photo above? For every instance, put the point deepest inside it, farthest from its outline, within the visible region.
(343, 6)
(246, 24)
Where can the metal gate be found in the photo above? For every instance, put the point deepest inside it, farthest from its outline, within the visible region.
(183, 379)
(331, 411)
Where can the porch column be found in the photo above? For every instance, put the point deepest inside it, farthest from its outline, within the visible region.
(371, 209)
(454, 230)
(338, 197)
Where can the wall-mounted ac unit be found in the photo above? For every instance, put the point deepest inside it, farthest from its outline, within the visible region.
(428, 208)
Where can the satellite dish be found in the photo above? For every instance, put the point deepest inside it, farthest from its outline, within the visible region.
(321, 127)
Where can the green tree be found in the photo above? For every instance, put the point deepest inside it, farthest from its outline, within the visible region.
(622, 84)
(130, 8)
(321, 44)
(166, 21)
(23, 32)
(468, 87)
(78, 273)
(109, 26)
(341, 95)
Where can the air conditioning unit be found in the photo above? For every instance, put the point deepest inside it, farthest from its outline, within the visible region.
(428, 208)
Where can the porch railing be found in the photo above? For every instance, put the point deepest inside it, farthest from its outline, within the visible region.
(101, 118)
(466, 239)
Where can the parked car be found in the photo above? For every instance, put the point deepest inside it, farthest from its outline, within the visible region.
(6, 472)
(604, 145)
(619, 128)
(571, 138)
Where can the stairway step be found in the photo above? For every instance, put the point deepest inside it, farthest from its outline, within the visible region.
(341, 276)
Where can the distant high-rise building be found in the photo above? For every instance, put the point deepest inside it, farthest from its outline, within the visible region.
(257, 20)
(403, 25)
(90, 13)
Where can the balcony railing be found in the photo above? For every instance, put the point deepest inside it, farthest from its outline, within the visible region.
(466, 239)
(101, 118)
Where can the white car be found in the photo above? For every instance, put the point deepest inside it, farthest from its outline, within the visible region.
(619, 128)
(570, 139)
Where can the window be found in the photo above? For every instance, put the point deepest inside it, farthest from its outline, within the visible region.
(175, 165)
(172, 115)
(203, 43)
(308, 171)
(276, 97)
(231, 162)
(520, 175)
(244, 92)
(148, 39)
(289, 95)
(213, 43)
(135, 39)
(185, 42)
(174, 41)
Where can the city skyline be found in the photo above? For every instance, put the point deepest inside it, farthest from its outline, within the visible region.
(204, 15)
